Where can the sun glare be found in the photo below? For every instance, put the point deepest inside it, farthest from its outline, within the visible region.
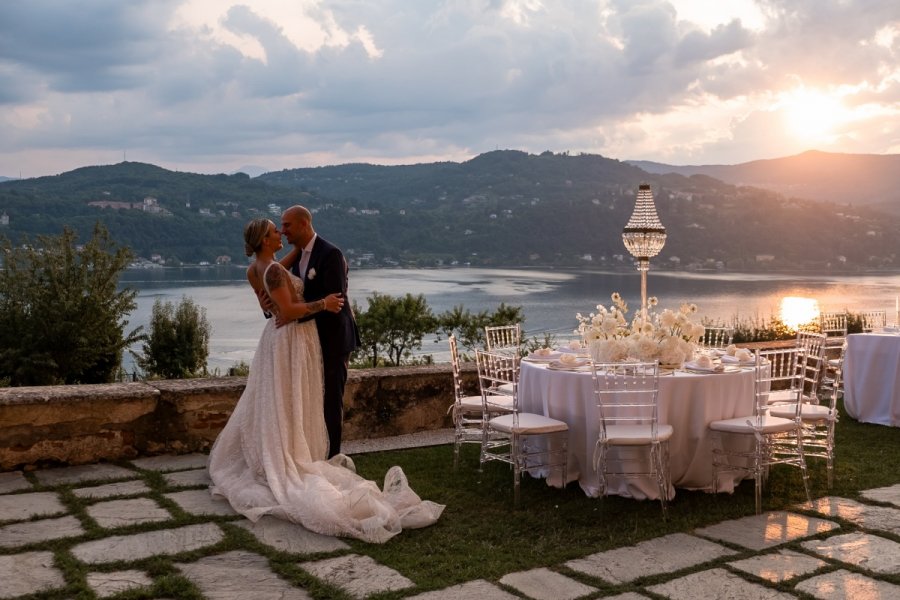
(811, 115)
(797, 311)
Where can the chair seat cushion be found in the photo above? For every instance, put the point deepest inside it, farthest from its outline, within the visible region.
(768, 424)
(471, 403)
(636, 435)
(527, 423)
(808, 412)
(497, 404)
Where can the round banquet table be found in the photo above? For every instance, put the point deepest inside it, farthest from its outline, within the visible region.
(687, 401)
(872, 378)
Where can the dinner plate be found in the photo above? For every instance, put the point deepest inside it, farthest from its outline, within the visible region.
(695, 367)
(731, 359)
(543, 357)
(558, 365)
(567, 350)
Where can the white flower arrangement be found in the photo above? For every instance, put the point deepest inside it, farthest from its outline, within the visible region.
(311, 274)
(667, 336)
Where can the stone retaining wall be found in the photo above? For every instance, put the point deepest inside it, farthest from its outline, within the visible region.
(79, 424)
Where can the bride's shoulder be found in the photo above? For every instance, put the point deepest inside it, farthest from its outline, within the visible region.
(276, 275)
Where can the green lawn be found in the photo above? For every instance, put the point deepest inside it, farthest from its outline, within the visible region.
(480, 535)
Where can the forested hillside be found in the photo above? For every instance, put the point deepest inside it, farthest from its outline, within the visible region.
(504, 208)
(870, 179)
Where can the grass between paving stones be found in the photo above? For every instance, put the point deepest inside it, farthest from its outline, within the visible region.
(480, 535)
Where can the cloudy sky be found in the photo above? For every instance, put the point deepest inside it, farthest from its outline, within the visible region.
(214, 86)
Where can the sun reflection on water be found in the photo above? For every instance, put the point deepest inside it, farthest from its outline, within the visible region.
(797, 311)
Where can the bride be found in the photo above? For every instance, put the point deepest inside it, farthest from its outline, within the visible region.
(270, 457)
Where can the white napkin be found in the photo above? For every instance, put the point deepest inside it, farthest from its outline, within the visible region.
(742, 355)
(704, 362)
(569, 359)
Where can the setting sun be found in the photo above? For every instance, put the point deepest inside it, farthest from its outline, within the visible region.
(796, 311)
(811, 115)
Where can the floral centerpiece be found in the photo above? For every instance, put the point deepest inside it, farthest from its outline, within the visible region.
(667, 336)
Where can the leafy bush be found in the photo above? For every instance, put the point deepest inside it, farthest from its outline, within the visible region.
(178, 343)
(61, 314)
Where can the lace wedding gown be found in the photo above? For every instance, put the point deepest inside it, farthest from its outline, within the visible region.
(269, 458)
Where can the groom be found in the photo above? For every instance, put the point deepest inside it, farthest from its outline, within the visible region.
(323, 269)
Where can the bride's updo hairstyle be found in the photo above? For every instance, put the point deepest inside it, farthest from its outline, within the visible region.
(254, 232)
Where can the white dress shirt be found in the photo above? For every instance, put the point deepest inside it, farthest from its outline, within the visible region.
(304, 256)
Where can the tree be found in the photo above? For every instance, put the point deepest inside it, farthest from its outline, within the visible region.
(393, 325)
(178, 343)
(61, 314)
(469, 328)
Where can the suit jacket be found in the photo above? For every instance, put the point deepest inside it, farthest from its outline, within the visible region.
(326, 273)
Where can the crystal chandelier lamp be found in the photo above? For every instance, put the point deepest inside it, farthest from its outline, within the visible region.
(644, 237)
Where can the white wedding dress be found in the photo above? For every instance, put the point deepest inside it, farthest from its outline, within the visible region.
(269, 458)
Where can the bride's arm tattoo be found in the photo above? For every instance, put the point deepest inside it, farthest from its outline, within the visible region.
(275, 278)
(317, 306)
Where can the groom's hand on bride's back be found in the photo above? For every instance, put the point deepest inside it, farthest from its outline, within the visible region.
(265, 303)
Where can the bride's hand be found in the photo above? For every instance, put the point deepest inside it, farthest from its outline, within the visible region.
(334, 303)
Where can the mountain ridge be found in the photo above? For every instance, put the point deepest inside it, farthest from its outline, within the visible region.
(842, 178)
(500, 208)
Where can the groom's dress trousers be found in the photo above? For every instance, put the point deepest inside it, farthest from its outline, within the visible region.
(325, 272)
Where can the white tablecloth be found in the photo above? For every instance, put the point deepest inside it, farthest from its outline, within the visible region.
(687, 402)
(872, 378)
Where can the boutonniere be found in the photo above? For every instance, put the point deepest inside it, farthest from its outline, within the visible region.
(311, 274)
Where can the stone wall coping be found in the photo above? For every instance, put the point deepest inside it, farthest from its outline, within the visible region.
(63, 394)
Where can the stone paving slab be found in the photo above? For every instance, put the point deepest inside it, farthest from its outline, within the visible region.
(883, 518)
(119, 513)
(359, 576)
(479, 588)
(28, 573)
(13, 481)
(290, 537)
(32, 532)
(188, 478)
(544, 584)
(171, 462)
(888, 495)
(866, 551)
(143, 545)
(420, 439)
(627, 596)
(759, 532)
(779, 566)
(652, 557)
(82, 473)
(19, 507)
(201, 502)
(716, 583)
(239, 575)
(110, 584)
(841, 585)
(124, 488)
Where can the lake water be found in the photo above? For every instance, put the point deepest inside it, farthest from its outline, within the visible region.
(549, 298)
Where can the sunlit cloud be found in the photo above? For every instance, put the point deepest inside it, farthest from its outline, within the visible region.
(216, 85)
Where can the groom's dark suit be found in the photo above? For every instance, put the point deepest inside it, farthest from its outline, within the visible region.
(326, 273)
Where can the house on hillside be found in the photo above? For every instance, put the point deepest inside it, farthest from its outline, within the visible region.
(4, 220)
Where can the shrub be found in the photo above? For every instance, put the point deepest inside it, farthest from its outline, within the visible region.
(178, 343)
(61, 314)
